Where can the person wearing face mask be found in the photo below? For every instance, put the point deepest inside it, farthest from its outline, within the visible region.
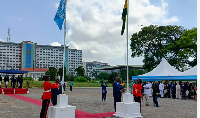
(104, 91)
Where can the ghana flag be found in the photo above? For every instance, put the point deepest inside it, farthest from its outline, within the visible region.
(124, 13)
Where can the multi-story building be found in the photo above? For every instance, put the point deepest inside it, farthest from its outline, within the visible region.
(10, 55)
(26, 55)
(90, 67)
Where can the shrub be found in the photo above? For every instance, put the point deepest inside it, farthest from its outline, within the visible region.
(40, 79)
(80, 79)
(29, 78)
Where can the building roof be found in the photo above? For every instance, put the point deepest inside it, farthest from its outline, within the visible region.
(121, 67)
(36, 69)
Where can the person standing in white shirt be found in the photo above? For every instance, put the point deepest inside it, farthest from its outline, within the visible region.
(150, 89)
(161, 88)
(146, 93)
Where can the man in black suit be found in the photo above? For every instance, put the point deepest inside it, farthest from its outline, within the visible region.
(117, 89)
(13, 81)
(6, 80)
(183, 90)
(168, 90)
(173, 88)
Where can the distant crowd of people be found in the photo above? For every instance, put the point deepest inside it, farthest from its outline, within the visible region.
(140, 90)
(15, 81)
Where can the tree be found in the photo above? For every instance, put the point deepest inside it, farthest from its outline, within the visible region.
(111, 77)
(80, 71)
(47, 72)
(103, 76)
(155, 42)
(123, 73)
(60, 73)
(53, 72)
(135, 72)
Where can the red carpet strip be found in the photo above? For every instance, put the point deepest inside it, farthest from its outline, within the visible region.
(79, 114)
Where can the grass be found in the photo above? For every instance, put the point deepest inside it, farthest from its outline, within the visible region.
(39, 84)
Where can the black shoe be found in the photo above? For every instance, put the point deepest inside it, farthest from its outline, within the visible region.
(157, 106)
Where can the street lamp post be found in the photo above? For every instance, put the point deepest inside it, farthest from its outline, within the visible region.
(33, 69)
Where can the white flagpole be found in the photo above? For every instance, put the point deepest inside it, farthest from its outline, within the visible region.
(127, 48)
(64, 46)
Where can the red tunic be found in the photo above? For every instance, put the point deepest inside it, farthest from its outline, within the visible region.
(47, 89)
(137, 90)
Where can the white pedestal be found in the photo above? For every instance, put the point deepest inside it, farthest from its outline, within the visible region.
(62, 109)
(128, 108)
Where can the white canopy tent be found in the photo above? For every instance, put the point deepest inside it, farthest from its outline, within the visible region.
(163, 69)
(191, 71)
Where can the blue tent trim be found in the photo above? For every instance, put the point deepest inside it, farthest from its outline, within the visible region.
(160, 78)
(13, 71)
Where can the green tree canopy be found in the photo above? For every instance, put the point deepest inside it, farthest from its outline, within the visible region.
(80, 71)
(112, 76)
(103, 76)
(155, 42)
(53, 73)
(60, 73)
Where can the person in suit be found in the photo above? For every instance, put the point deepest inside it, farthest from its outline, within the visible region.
(168, 90)
(6, 80)
(173, 88)
(54, 93)
(104, 91)
(0, 81)
(13, 81)
(183, 90)
(64, 86)
(21, 81)
(46, 95)
(117, 89)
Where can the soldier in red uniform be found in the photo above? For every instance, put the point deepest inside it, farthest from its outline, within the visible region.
(46, 95)
(137, 92)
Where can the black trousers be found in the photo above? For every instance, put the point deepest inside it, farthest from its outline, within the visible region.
(173, 94)
(116, 99)
(138, 99)
(103, 96)
(183, 94)
(168, 93)
(13, 84)
(45, 105)
(20, 85)
(64, 88)
(70, 88)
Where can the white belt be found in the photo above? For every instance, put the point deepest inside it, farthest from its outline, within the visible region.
(47, 90)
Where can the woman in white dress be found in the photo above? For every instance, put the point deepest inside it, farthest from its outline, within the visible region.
(178, 89)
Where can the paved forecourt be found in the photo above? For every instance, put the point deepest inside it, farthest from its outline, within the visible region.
(90, 100)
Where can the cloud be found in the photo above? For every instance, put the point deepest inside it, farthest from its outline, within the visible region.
(55, 44)
(95, 27)
(1, 39)
(19, 19)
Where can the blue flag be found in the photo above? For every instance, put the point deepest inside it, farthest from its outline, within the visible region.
(60, 15)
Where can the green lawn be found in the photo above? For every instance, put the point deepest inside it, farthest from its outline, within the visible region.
(39, 84)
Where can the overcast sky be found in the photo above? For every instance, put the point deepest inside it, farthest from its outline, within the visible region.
(93, 26)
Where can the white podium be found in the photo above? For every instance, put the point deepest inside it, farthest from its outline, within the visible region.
(62, 109)
(128, 108)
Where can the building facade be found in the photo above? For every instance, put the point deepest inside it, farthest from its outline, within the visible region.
(90, 67)
(19, 56)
